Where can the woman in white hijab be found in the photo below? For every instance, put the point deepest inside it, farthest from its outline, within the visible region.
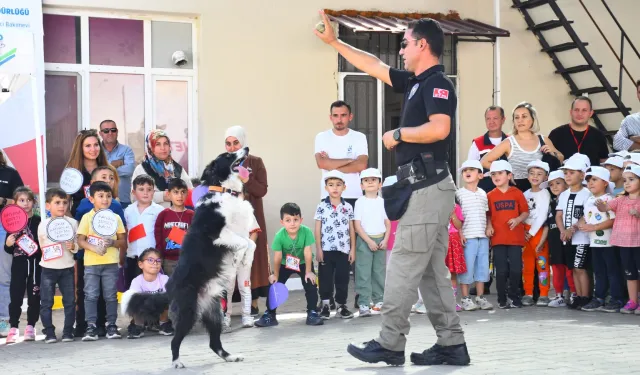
(254, 190)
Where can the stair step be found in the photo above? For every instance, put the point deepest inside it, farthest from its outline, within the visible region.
(549, 25)
(604, 111)
(563, 47)
(576, 69)
(530, 4)
(590, 90)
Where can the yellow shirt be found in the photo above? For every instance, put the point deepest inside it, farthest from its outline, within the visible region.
(112, 256)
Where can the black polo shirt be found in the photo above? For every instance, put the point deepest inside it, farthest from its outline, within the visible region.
(593, 144)
(429, 93)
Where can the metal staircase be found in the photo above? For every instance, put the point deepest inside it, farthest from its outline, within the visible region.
(561, 21)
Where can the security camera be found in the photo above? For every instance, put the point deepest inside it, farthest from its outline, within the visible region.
(179, 58)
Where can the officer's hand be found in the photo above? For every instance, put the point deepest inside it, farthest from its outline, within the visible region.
(388, 141)
(327, 36)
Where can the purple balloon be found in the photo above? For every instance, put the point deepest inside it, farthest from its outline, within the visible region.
(198, 193)
(278, 294)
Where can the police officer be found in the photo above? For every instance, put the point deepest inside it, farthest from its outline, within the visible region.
(421, 146)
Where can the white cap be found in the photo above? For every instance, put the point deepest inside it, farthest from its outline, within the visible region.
(603, 174)
(621, 154)
(390, 181)
(538, 164)
(633, 157)
(335, 174)
(635, 169)
(616, 161)
(471, 164)
(555, 175)
(583, 158)
(500, 165)
(371, 172)
(574, 164)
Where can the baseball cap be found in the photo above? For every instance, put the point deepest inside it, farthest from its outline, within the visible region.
(635, 169)
(390, 181)
(538, 164)
(616, 161)
(471, 164)
(555, 175)
(500, 165)
(603, 174)
(621, 154)
(334, 174)
(633, 157)
(371, 172)
(582, 158)
(574, 164)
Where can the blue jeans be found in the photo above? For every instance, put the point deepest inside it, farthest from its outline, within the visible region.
(606, 267)
(476, 256)
(64, 278)
(94, 276)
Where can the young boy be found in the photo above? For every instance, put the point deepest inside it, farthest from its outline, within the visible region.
(508, 209)
(57, 268)
(373, 228)
(172, 224)
(335, 245)
(292, 254)
(101, 260)
(606, 264)
(473, 236)
(150, 281)
(615, 166)
(536, 252)
(140, 217)
(575, 242)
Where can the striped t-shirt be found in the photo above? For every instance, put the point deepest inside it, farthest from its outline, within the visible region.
(474, 209)
(630, 126)
(520, 159)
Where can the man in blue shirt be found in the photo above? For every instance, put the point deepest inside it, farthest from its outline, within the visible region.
(121, 157)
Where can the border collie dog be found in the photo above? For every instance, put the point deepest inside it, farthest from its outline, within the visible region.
(217, 240)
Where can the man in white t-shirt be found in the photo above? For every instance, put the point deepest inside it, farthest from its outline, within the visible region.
(342, 149)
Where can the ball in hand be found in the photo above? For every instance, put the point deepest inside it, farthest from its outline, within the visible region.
(320, 27)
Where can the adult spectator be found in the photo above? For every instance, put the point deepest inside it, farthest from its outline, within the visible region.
(628, 136)
(160, 166)
(254, 190)
(480, 146)
(343, 149)
(523, 146)
(121, 157)
(578, 136)
(421, 144)
(9, 181)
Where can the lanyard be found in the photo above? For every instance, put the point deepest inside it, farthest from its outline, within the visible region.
(576, 140)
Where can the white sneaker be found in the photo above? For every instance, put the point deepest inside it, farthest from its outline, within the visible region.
(376, 309)
(364, 311)
(483, 303)
(226, 324)
(247, 321)
(557, 302)
(468, 305)
(419, 308)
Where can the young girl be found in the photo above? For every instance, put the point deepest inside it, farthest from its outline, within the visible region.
(626, 227)
(455, 254)
(25, 269)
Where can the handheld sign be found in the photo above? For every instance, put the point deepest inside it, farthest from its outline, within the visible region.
(278, 294)
(198, 193)
(60, 229)
(105, 223)
(71, 180)
(27, 245)
(13, 218)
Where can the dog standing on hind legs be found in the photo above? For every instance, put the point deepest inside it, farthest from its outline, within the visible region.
(216, 241)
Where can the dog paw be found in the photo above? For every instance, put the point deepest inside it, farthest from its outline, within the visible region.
(234, 358)
(177, 364)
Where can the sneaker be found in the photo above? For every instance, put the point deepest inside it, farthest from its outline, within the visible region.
(67, 337)
(325, 313)
(333, 305)
(420, 308)
(515, 304)
(13, 335)
(593, 305)
(503, 305)
(468, 305)
(558, 301)
(344, 312)
(376, 308)
(50, 338)
(483, 303)
(454, 355)
(29, 334)
(363, 311)
(255, 311)
(102, 331)
(313, 319)
(267, 320)
(166, 329)
(543, 301)
(247, 321)
(527, 300)
(573, 301)
(91, 333)
(4, 328)
(629, 308)
(582, 301)
(112, 331)
(135, 331)
(373, 352)
(226, 324)
(613, 307)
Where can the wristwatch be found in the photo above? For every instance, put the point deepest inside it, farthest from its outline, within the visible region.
(397, 135)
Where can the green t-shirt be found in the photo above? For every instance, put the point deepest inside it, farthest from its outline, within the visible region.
(282, 242)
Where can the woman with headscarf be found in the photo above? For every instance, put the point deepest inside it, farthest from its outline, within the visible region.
(255, 189)
(160, 166)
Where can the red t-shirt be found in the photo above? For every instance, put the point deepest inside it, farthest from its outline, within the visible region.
(168, 220)
(502, 208)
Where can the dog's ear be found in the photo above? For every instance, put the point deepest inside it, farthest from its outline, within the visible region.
(208, 173)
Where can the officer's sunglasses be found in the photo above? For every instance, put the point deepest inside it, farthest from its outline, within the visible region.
(109, 130)
(405, 43)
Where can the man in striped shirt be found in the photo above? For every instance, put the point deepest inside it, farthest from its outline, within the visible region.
(628, 136)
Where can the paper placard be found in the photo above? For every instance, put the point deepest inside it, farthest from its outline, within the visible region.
(60, 229)
(105, 223)
(52, 252)
(95, 241)
(71, 180)
(13, 218)
(27, 245)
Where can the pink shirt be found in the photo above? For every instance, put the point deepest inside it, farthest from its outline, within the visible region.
(392, 235)
(625, 226)
(140, 285)
(458, 211)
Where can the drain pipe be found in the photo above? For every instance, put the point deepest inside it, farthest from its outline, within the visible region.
(496, 56)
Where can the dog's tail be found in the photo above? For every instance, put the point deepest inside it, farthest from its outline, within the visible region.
(146, 306)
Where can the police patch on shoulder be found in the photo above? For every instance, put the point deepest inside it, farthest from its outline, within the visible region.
(413, 90)
(441, 93)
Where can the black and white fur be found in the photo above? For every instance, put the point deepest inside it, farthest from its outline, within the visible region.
(215, 243)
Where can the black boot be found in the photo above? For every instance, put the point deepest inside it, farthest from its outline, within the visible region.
(454, 355)
(373, 352)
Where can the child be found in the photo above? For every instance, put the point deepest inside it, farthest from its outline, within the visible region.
(292, 254)
(536, 252)
(25, 269)
(172, 224)
(335, 244)
(455, 253)
(474, 203)
(508, 209)
(140, 217)
(625, 231)
(57, 269)
(372, 227)
(575, 242)
(598, 225)
(100, 263)
(149, 281)
(615, 166)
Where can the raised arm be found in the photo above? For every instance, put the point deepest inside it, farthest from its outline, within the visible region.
(504, 148)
